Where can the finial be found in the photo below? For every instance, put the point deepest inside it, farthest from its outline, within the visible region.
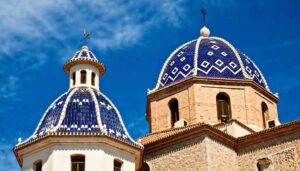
(204, 30)
(84, 47)
(19, 140)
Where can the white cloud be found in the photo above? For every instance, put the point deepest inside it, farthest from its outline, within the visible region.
(30, 29)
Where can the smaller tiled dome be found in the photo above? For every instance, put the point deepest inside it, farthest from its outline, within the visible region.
(84, 53)
(84, 56)
(209, 57)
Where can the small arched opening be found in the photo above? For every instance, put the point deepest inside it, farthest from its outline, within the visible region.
(145, 167)
(93, 78)
(118, 165)
(174, 110)
(78, 162)
(223, 107)
(265, 113)
(83, 77)
(38, 165)
(74, 78)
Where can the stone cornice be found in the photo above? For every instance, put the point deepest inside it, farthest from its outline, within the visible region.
(268, 134)
(189, 81)
(214, 81)
(198, 130)
(235, 143)
(90, 61)
(68, 139)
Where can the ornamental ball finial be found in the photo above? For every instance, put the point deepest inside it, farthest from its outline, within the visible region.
(204, 32)
(84, 47)
(19, 140)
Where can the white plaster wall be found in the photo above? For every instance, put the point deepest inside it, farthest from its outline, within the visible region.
(97, 158)
(89, 69)
(44, 155)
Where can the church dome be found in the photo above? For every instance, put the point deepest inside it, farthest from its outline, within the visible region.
(82, 111)
(209, 57)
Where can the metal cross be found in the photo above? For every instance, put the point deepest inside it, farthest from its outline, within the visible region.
(203, 15)
(86, 36)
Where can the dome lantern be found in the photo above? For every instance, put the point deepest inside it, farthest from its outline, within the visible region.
(84, 69)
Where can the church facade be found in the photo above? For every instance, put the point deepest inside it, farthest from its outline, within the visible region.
(211, 109)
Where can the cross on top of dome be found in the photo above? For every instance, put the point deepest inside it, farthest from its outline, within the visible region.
(203, 12)
(204, 32)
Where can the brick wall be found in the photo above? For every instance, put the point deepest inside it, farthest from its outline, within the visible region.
(197, 103)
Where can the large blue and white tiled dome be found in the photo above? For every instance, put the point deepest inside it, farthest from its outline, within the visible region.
(83, 109)
(209, 57)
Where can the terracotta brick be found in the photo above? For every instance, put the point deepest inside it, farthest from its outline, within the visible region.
(197, 103)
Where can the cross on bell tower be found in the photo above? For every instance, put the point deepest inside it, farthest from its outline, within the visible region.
(203, 12)
(204, 30)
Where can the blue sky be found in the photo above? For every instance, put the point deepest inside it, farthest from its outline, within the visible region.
(133, 39)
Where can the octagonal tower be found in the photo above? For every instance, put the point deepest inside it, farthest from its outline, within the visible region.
(82, 130)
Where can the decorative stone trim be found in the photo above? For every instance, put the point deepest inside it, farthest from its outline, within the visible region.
(81, 60)
(19, 147)
(192, 131)
(236, 55)
(218, 81)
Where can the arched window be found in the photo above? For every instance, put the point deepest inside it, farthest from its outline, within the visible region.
(83, 77)
(93, 78)
(78, 162)
(117, 165)
(74, 78)
(145, 167)
(38, 165)
(223, 107)
(174, 110)
(265, 113)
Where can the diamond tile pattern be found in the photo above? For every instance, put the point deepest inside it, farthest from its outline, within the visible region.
(252, 69)
(217, 65)
(182, 62)
(215, 59)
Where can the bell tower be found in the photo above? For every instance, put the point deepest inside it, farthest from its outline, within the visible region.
(208, 80)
